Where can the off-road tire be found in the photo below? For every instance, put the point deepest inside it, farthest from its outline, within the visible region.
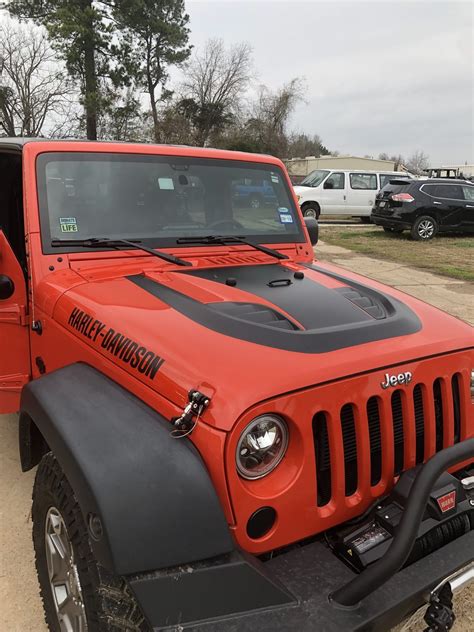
(311, 209)
(424, 228)
(109, 604)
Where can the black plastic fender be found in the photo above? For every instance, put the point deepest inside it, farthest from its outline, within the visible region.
(152, 494)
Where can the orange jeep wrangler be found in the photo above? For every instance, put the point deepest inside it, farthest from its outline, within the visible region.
(229, 435)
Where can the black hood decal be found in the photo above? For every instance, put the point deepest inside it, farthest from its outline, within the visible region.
(311, 304)
(331, 319)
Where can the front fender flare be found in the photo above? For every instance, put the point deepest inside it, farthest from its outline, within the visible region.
(152, 493)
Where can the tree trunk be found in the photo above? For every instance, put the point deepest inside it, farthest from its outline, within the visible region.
(154, 109)
(156, 121)
(91, 96)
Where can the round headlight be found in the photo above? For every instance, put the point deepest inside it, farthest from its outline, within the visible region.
(262, 445)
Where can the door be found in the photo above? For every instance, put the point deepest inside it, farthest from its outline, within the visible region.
(468, 213)
(333, 198)
(361, 193)
(450, 206)
(14, 336)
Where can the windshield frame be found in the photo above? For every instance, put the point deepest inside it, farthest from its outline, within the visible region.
(42, 159)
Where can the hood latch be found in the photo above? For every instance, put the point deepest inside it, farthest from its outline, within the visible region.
(187, 421)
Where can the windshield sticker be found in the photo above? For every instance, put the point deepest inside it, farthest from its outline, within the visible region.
(286, 219)
(275, 178)
(283, 209)
(166, 184)
(116, 344)
(68, 224)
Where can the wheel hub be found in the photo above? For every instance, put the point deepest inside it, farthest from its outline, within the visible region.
(425, 229)
(63, 575)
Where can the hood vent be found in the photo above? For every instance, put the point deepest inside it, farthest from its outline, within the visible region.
(254, 313)
(367, 303)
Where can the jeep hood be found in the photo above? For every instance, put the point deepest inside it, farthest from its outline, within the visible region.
(244, 334)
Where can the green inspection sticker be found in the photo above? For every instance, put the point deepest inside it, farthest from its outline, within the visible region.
(68, 224)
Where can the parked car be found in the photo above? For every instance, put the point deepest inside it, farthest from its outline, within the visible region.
(339, 192)
(425, 207)
(253, 193)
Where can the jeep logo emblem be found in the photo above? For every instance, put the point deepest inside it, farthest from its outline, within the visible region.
(396, 380)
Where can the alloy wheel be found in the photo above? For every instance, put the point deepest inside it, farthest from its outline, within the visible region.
(426, 229)
(63, 575)
(254, 202)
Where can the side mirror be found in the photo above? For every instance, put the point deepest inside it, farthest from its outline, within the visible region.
(312, 227)
(7, 287)
(328, 185)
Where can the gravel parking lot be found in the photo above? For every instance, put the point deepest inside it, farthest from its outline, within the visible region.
(20, 607)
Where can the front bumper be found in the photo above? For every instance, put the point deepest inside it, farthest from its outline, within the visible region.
(304, 588)
(290, 592)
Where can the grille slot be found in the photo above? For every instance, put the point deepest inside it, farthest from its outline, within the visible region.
(398, 439)
(349, 441)
(456, 406)
(438, 406)
(373, 417)
(419, 412)
(323, 459)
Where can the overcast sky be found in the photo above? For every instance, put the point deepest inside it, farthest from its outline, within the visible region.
(390, 76)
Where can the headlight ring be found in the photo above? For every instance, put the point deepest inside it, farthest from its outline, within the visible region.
(261, 447)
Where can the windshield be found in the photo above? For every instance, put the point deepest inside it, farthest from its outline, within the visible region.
(315, 178)
(161, 199)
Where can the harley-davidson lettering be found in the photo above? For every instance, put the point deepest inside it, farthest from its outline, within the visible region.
(396, 380)
(125, 349)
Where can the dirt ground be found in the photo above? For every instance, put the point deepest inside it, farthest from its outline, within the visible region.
(20, 607)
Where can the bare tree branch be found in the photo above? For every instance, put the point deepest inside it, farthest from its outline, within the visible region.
(34, 91)
(215, 80)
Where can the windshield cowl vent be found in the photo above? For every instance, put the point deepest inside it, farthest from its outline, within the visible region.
(255, 314)
(365, 302)
(235, 259)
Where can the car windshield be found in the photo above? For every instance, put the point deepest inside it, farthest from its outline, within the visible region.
(161, 199)
(315, 178)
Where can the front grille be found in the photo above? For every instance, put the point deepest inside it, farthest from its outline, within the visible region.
(360, 441)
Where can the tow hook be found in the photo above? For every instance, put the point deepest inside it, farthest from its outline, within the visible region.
(439, 615)
(187, 421)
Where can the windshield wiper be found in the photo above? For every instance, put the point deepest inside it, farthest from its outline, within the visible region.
(221, 240)
(97, 242)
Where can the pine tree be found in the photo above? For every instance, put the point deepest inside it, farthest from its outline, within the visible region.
(81, 32)
(155, 36)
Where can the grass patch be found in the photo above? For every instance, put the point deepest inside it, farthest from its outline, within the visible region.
(451, 256)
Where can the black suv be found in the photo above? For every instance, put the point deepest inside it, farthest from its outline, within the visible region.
(425, 207)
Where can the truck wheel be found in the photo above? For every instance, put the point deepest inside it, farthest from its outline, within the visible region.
(365, 219)
(255, 201)
(311, 209)
(424, 228)
(78, 594)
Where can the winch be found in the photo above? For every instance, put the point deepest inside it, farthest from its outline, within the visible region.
(448, 515)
